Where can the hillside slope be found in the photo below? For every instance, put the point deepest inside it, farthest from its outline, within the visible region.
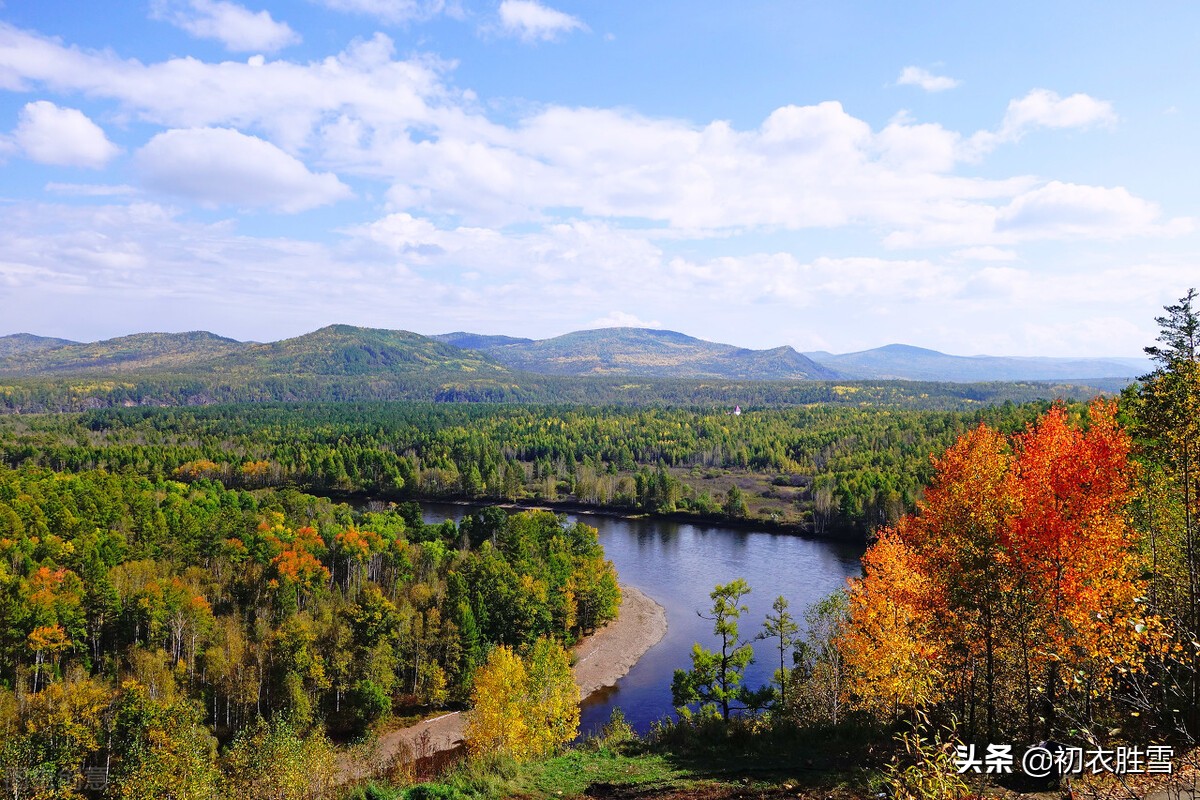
(17, 344)
(137, 352)
(646, 352)
(349, 350)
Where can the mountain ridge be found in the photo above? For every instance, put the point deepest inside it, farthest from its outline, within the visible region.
(347, 350)
(909, 362)
(651, 352)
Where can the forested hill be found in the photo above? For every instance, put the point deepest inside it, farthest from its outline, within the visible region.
(634, 352)
(21, 343)
(649, 352)
(341, 362)
(333, 350)
(643, 352)
(23, 354)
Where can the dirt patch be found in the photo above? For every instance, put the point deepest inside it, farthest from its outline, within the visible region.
(607, 655)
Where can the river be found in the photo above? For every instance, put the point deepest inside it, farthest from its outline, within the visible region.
(678, 564)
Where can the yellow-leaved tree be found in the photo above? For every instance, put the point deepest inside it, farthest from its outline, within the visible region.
(497, 723)
(524, 708)
(552, 711)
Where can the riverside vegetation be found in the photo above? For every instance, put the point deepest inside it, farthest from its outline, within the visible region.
(176, 611)
(825, 470)
(1044, 589)
(143, 622)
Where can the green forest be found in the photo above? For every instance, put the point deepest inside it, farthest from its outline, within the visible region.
(826, 470)
(231, 601)
(144, 621)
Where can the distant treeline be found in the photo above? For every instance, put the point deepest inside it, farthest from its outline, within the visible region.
(828, 469)
(26, 395)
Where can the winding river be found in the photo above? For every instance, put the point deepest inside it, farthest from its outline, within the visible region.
(678, 564)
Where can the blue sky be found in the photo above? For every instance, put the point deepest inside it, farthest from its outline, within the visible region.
(1010, 179)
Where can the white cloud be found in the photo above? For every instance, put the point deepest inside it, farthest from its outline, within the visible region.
(1042, 108)
(531, 21)
(1066, 210)
(560, 252)
(915, 147)
(916, 76)
(283, 99)
(985, 253)
(141, 267)
(804, 167)
(62, 137)
(236, 27)
(763, 280)
(222, 166)
(90, 189)
(144, 267)
(394, 11)
(1143, 285)
(622, 319)
(434, 151)
(1051, 211)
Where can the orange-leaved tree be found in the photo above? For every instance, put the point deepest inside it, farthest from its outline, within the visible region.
(1017, 580)
(1078, 556)
(887, 646)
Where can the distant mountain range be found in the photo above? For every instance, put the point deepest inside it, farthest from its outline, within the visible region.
(334, 350)
(659, 353)
(344, 350)
(642, 352)
(905, 362)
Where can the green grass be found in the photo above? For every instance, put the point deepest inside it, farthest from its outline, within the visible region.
(566, 775)
(710, 761)
(573, 772)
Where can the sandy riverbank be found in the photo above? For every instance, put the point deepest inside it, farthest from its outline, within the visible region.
(601, 660)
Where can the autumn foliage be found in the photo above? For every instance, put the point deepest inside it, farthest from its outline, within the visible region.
(524, 707)
(1014, 595)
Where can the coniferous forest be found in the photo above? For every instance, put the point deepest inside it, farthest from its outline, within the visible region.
(225, 601)
(824, 470)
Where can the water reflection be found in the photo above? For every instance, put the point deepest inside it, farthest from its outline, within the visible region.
(678, 564)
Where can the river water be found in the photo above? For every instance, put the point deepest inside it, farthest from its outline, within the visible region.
(678, 564)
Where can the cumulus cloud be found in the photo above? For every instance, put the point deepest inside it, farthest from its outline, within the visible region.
(531, 21)
(918, 147)
(64, 137)
(622, 319)
(1042, 108)
(917, 76)
(1061, 210)
(434, 151)
(697, 180)
(236, 27)
(1051, 211)
(221, 166)
(282, 98)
